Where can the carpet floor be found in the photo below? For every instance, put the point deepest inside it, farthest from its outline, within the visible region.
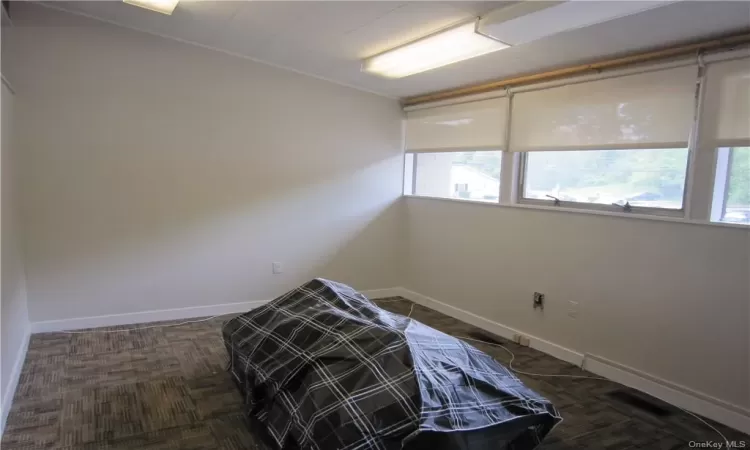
(166, 388)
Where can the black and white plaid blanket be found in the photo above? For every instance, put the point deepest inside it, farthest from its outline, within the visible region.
(322, 367)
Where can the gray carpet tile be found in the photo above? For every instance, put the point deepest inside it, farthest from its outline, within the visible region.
(165, 387)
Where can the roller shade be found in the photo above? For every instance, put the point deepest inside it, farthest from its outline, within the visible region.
(726, 116)
(648, 110)
(472, 126)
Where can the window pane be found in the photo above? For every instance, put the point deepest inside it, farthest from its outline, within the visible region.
(408, 173)
(644, 178)
(462, 175)
(737, 204)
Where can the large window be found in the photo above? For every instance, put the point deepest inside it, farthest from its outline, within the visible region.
(460, 175)
(732, 189)
(620, 179)
(668, 140)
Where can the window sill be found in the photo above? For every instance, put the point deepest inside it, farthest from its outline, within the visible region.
(562, 209)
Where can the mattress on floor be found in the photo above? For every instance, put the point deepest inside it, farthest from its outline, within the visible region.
(322, 367)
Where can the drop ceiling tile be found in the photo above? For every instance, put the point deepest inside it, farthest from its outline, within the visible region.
(479, 8)
(402, 25)
(137, 17)
(662, 27)
(313, 18)
(103, 10)
(200, 21)
(254, 25)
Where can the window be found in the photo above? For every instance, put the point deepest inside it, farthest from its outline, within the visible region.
(635, 141)
(732, 186)
(461, 175)
(617, 144)
(408, 174)
(452, 150)
(650, 178)
(725, 126)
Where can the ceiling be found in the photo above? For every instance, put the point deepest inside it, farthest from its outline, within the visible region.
(328, 39)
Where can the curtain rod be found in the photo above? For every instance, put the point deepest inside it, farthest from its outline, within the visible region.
(665, 53)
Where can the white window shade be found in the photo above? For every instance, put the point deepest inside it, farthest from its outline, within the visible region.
(476, 125)
(648, 110)
(726, 114)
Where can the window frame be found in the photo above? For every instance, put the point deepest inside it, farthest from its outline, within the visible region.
(720, 188)
(522, 167)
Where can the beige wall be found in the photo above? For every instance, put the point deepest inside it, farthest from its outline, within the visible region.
(664, 298)
(160, 175)
(14, 322)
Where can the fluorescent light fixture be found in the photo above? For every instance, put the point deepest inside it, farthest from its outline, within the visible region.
(528, 21)
(436, 50)
(161, 6)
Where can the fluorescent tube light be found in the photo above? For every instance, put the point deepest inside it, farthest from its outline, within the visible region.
(161, 6)
(437, 50)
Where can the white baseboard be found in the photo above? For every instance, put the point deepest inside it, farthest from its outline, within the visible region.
(144, 316)
(697, 402)
(15, 375)
(719, 410)
(191, 312)
(495, 328)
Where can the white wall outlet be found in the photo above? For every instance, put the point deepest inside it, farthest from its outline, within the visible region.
(573, 310)
(524, 341)
(276, 268)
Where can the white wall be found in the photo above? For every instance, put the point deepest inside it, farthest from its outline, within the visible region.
(664, 298)
(161, 175)
(14, 322)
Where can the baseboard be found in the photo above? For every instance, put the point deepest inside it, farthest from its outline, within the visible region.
(15, 375)
(495, 328)
(144, 316)
(191, 312)
(716, 409)
(697, 402)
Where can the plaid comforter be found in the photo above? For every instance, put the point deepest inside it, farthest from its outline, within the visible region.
(322, 367)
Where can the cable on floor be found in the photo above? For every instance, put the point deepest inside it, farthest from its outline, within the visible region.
(513, 357)
(724, 438)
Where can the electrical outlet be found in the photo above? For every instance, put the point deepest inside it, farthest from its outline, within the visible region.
(573, 309)
(276, 268)
(538, 300)
(524, 341)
